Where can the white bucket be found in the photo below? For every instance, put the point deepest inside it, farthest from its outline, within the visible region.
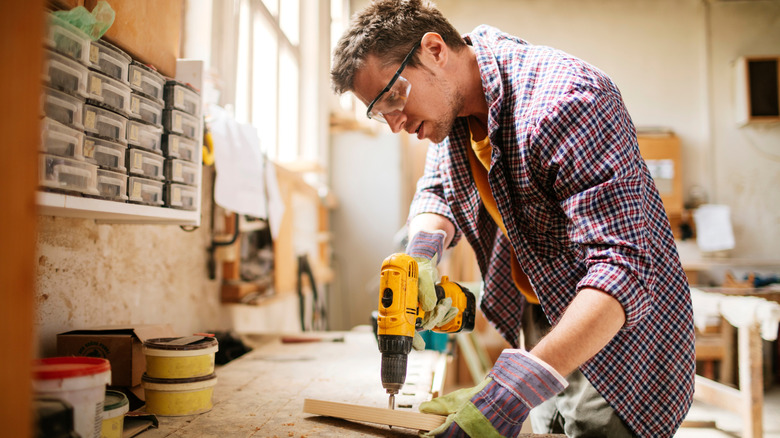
(81, 381)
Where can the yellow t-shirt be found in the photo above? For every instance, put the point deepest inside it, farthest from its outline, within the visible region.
(479, 161)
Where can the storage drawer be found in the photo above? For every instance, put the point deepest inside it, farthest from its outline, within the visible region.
(146, 109)
(63, 108)
(109, 59)
(68, 175)
(65, 74)
(112, 185)
(61, 140)
(109, 92)
(105, 153)
(144, 191)
(181, 171)
(145, 80)
(105, 123)
(181, 196)
(181, 97)
(144, 135)
(67, 39)
(177, 146)
(145, 164)
(179, 122)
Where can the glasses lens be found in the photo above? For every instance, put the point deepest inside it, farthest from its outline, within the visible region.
(393, 101)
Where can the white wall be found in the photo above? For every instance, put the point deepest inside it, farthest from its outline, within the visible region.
(366, 178)
(745, 171)
(653, 50)
(671, 60)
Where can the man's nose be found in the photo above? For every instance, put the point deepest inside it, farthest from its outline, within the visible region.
(396, 121)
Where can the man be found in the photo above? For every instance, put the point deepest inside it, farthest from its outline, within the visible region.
(535, 161)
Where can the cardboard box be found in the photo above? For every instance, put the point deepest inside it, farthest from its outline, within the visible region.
(121, 345)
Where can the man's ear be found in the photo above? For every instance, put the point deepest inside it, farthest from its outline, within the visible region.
(434, 49)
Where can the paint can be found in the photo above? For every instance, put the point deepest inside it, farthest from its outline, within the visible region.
(178, 397)
(115, 407)
(165, 359)
(80, 381)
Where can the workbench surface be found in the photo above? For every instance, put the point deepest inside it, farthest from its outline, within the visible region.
(261, 394)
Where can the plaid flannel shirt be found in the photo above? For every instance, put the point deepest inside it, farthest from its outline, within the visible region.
(581, 211)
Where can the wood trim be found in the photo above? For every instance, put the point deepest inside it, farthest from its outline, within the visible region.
(21, 30)
(408, 419)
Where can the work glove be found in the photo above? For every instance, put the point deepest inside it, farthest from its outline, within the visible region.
(425, 248)
(499, 405)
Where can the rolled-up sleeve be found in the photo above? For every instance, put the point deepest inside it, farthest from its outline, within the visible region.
(591, 163)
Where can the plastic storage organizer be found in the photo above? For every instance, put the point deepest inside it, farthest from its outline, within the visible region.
(110, 92)
(145, 164)
(67, 175)
(181, 97)
(177, 146)
(144, 135)
(144, 191)
(67, 39)
(181, 171)
(105, 123)
(146, 109)
(59, 139)
(65, 74)
(109, 59)
(105, 153)
(63, 108)
(145, 80)
(181, 196)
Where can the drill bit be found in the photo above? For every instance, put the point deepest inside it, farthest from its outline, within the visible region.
(391, 402)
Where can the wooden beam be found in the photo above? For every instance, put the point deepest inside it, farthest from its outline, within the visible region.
(751, 381)
(369, 414)
(717, 394)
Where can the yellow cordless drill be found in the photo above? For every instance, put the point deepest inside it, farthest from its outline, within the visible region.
(400, 316)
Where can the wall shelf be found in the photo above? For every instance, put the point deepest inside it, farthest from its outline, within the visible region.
(102, 211)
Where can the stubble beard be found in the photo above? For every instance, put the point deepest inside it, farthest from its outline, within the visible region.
(454, 102)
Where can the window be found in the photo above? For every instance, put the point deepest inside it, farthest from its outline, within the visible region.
(271, 63)
(267, 74)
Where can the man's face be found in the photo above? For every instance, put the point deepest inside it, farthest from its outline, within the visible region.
(431, 107)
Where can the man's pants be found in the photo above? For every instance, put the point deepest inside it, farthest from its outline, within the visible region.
(578, 411)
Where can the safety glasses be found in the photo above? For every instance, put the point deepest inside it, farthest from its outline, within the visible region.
(392, 99)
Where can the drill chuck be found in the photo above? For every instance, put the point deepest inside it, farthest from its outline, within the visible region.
(395, 350)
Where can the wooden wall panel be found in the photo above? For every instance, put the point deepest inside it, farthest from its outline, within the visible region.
(148, 30)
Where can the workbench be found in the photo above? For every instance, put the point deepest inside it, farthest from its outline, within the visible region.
(755, 319)
(261, 394)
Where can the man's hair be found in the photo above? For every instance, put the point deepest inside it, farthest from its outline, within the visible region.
(387, 29)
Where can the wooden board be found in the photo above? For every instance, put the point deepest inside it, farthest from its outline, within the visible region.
(21, 31)
(370, 414)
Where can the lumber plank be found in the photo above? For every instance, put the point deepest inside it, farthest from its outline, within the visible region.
(370, 414)
(718, 394)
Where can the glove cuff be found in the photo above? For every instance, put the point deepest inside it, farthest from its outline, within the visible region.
(425, 244)
(527, 377)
